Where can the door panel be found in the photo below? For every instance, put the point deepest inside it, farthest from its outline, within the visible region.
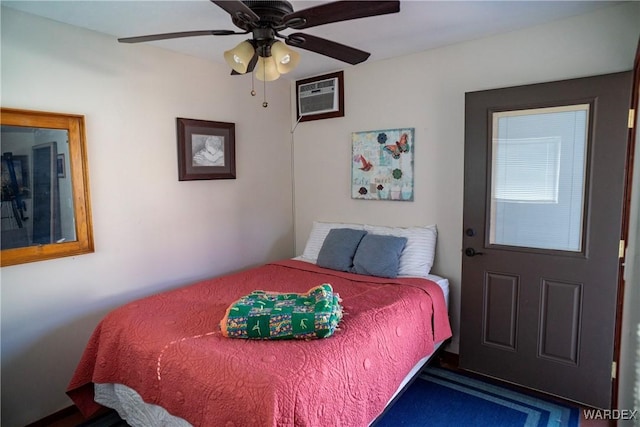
(560, 320)
(500, 321)
(544, 179)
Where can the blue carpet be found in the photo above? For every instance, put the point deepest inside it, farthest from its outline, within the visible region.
(440, 398)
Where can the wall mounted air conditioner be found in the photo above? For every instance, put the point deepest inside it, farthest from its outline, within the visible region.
(320, 97)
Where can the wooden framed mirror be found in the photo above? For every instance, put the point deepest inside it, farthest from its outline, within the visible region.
(45, 206)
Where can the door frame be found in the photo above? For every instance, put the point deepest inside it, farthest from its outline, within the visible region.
(626, 212)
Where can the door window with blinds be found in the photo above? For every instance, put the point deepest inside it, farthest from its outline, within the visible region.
(538, 177)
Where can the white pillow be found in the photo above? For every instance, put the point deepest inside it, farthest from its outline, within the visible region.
(318, 233)
(417, 257)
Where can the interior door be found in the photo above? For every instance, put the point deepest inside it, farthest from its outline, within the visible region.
(543, 198)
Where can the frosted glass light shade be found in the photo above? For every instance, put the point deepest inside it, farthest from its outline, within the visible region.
(239, 57)
(266, 69)
(286, 58)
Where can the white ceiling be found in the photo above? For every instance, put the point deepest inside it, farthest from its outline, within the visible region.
(419, 26)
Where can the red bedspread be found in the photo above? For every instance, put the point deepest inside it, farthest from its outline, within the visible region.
(169, 349)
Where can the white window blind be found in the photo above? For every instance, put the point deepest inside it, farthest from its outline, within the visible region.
(527, 169)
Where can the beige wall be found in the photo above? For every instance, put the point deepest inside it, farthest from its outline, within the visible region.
(426, 91)
(152, 232)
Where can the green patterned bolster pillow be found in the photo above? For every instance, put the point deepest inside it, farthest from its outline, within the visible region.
(273, 315)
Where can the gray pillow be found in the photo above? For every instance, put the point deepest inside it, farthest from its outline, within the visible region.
(339, 247)
(379, 255)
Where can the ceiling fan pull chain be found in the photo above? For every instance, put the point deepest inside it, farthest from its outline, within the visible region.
(253, 90)
(265, 104)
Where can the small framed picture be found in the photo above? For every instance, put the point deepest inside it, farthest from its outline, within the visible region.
(60, 166)
(206, 150)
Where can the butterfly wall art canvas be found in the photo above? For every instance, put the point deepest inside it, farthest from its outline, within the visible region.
(382, 164)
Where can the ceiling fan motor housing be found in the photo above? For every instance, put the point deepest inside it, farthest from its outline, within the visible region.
(271, 15)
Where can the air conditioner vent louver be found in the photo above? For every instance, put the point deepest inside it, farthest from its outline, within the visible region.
(318, 97)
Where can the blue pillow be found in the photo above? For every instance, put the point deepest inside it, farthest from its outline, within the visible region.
(339, 247)
(379, 255)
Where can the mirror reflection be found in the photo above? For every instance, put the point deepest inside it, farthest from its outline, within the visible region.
(37, 202)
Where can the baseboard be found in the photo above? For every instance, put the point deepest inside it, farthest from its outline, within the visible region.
(70, 415)
(449, 360)
(62, 414)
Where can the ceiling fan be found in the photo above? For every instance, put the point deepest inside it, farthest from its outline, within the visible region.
(265, 19)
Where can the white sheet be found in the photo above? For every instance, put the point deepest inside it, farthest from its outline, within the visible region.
(441, 281)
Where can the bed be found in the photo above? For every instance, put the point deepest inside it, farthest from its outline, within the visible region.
(162, 360)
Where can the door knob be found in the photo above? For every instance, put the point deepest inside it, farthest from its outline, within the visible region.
(471, 252)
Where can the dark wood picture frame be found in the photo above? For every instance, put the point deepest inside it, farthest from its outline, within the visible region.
(206, 150)
(340, 113)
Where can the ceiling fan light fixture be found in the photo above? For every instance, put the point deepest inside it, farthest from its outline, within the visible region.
(239, 57)
(286, 59)
(266, 69)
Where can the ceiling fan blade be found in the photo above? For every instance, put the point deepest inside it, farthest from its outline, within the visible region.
(326, 47)
(152, 37)
(339, 11)
(238, 10)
